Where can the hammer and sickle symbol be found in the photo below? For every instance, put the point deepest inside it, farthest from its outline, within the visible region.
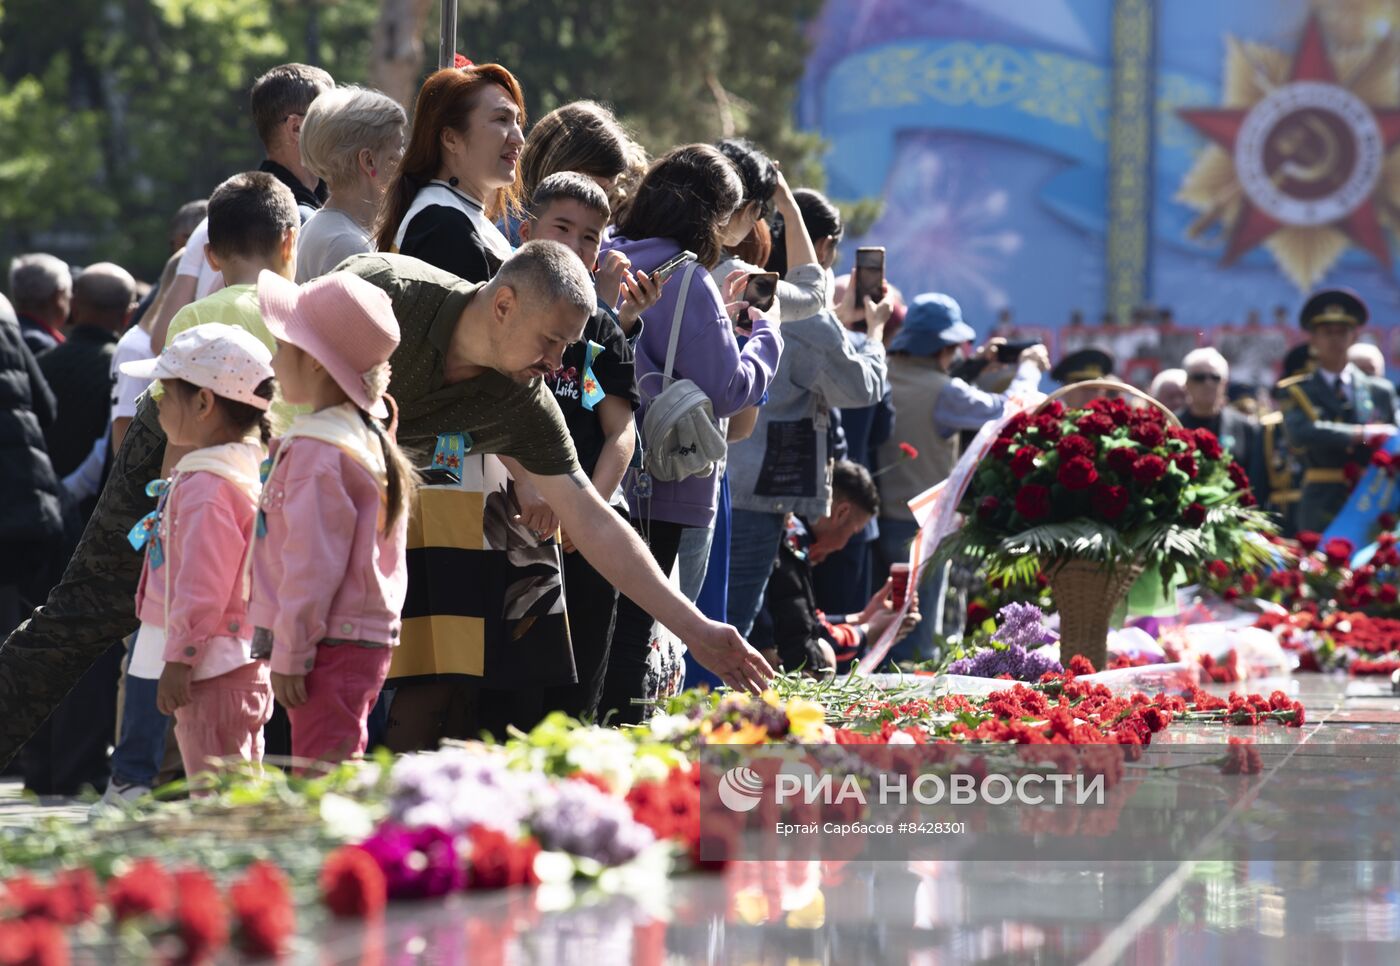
(1291, 144)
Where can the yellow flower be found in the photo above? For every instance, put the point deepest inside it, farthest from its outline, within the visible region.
(805, 718)
(747, 733)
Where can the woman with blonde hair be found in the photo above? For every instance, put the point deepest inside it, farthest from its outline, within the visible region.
(352, 139)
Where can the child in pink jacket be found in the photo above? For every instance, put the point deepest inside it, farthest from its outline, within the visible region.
(193, 595)
(329, 573)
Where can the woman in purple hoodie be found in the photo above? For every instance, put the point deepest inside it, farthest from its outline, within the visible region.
(691, 199)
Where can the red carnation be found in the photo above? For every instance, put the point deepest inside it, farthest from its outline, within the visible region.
(1078, 473)
(1351, 473)
(988, 507)
(1309, 540)
(1149, 435)
(1074, 445)
(1095, 424)
(1016, 424)
(977, 613)
(1054, 408)
(32, 942)
(200, 917)
(1048, 426)
(1339, 551)
(1194, 515)
(1248, 583)
(1149, 469)
(1387, 522)
(1388, 594)
(1079, 664)
(1186, 463)
(1218, 569)
(1110, 501)
(1121, 459)
(352, 884)
(1238, 476)
(498, 861)
(262, 904)
(909, 451)
(1033, 501)
(1023, 463)
(1208, 443)
(145, 889)
(1183, 435)
(1000, 447)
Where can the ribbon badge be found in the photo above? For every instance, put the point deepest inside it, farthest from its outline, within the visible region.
(592, 392)
(450, 450)
(147, 529)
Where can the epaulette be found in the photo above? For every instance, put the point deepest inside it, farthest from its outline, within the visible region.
(1300, 398)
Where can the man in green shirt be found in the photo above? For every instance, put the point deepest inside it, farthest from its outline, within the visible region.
(471, 359)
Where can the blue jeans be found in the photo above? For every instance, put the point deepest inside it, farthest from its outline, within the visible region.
(136, 759)
(893, 547)
(753, 546)
(694, 559)
(714, 592)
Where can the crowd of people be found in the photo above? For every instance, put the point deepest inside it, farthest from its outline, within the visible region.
(424, 415)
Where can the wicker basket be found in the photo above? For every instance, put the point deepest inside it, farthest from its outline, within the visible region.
(1086, 595)
(1087, 592)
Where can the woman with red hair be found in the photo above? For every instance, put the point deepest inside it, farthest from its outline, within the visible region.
(460, 173)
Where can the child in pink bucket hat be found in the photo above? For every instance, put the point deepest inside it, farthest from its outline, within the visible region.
(329, 576)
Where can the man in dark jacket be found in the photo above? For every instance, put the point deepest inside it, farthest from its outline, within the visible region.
(42, 286)
(804, 637)
(1207, 376)
(31, 514)
(80, 370)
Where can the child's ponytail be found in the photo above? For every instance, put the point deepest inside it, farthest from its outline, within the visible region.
(400, 472)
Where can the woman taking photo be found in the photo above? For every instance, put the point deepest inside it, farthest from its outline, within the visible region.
(460, 173)
(688, 200)
(352, 139)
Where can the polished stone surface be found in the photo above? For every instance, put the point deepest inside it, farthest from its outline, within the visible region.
(1150, 911)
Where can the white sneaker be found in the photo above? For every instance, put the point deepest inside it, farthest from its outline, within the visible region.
(117, 798)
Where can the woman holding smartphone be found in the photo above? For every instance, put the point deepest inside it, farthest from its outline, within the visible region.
(688, 200)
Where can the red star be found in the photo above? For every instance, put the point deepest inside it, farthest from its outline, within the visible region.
(1222, 125)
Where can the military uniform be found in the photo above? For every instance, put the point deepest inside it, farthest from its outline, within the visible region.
(1322, 418)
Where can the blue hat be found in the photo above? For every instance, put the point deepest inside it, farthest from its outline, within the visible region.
(932, 323)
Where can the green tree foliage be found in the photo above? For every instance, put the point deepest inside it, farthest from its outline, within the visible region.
(113, 113)
(674, 72)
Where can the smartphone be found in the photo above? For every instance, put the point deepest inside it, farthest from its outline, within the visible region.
(439, 476)
(668, 268)
(761, 290)
(1009, 352)
(870, 275)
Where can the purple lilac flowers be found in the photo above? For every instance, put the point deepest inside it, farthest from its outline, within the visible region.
(1022, 628)
(587, 822)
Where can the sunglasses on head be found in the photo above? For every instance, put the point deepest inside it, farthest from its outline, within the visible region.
(1203, 377)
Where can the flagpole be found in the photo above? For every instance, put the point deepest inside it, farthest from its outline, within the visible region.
(447, 45)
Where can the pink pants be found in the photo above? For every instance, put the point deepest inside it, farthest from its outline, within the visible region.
(225, 717)
(340, 692)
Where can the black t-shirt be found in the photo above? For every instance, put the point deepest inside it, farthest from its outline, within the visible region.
(613, 368)
(446, 238)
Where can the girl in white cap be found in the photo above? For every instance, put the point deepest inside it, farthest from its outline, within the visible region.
(329, 575)
(193, 595)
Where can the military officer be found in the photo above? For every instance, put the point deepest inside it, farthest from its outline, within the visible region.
(1332, 413)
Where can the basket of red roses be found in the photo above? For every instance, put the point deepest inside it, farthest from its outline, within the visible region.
(1092, 496)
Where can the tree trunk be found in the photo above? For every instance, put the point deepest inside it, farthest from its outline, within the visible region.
(396, 49)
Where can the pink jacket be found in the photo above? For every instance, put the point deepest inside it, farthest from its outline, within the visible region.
(205, 527)
(324, 566)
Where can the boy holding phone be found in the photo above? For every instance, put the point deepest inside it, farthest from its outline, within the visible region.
(597, 393)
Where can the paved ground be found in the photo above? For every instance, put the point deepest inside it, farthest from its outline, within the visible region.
(1150, 910)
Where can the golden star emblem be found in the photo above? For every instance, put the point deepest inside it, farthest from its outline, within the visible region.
(1301, 154)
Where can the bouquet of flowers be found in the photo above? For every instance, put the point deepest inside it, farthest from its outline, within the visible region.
(1105, 489)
